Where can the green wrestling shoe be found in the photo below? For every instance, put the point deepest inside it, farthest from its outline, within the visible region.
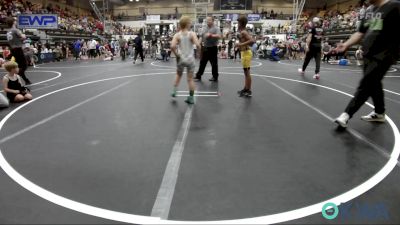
(190, 100)
(173, 94)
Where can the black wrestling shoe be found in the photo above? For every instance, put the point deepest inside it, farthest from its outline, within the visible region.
(197, 79)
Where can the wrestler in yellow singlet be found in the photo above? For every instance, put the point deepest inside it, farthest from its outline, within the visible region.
(245, 41)
(247, 55)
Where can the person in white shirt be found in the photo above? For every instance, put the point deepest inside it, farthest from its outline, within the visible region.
(92, 48)
(184, 41)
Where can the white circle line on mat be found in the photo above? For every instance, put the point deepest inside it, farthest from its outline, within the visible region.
(41, 82)
(45, 71)
(268, 219)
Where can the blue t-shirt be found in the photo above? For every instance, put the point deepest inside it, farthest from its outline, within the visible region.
(275, 51)
(77, 45)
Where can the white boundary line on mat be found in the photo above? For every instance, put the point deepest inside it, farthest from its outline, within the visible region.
(268, 219)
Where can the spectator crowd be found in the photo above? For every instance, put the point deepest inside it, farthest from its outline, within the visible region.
(335, 19)
(68, 21)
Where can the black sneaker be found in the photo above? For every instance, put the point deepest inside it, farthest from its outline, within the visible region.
(197, 79)
(245, 93)
(241, 92)
(213, 80)
(248, 94)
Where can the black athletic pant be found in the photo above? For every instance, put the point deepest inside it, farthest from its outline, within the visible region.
(209, 54)
(316, 54)
(92, 53)
(238, 52)
(370, 86)
(76, 53)
(19, 56)
(123, 53)
(139, 51)
(327, 57)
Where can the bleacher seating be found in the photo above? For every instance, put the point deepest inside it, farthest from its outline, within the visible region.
(62, 34)
(139, 18)
(335, 36)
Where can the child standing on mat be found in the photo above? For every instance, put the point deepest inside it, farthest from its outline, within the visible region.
(184, 40)
(13, 86)
(245, 41)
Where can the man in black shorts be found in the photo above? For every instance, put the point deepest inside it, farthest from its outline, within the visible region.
(16, 40)
(381, 46)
